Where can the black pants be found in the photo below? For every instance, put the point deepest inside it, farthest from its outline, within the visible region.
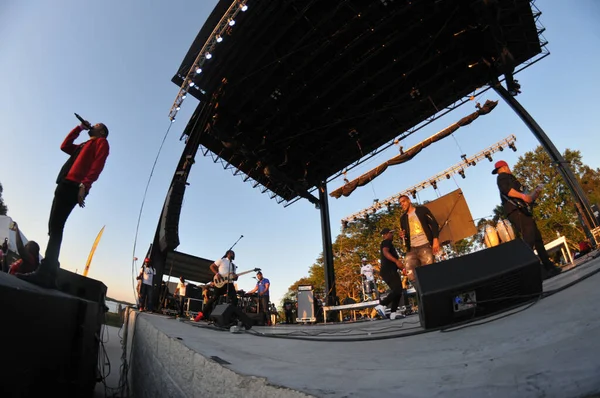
(392, 279)
(263, 307)
(65, 199)
(146, 297)
(219, 291)
(531, 235)
(289, 317)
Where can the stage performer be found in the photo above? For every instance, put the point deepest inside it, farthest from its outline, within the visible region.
(180, 291)
(74, 182)
(222, 268)
(368, 280)
(517, 207)
(262, 287)
(390, 263)
(420, 233)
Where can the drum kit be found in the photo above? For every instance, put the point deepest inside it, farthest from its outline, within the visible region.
(503, 232)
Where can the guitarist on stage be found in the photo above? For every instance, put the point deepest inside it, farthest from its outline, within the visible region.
(517, 206)
(223, 268)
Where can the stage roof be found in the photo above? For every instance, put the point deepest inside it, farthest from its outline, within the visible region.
(300, 90)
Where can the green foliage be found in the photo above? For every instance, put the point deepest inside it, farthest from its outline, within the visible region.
(3, 208)
(555, 210)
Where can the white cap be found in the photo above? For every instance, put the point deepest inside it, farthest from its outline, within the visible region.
(364, 259)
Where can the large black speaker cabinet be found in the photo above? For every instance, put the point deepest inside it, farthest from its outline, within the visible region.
(477, 284)
(50, 341)
(169, 220)
(226, 315)
(81, 286)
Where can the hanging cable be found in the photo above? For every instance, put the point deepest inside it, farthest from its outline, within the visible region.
(133, 271)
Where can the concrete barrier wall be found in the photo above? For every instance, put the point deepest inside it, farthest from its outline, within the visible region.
(161, 366)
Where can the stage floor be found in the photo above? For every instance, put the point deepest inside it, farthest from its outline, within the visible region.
(549, 348)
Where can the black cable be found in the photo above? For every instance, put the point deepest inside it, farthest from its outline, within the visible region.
(133, 271)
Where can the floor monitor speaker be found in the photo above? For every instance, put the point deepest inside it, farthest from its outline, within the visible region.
(226, 315)
(478, 284)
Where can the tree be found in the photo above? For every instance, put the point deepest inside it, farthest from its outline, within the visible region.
(3, 208)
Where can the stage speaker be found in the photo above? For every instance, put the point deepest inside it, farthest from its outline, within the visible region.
(226, 315)
(306, 304)
(256, 319)
(478, 284)
(169, 220)
(81, 286)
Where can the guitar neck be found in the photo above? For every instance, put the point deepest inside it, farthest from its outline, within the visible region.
(244, 273)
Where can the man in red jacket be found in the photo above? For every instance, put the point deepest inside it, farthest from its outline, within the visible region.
(74, 182)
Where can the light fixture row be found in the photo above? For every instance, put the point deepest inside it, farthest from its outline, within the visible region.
(459, 168)
(206, 53)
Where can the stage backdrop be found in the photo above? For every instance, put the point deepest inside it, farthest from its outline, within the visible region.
(454, 217)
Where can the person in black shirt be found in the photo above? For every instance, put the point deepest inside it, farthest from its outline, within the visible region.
(390, 263)
(516, 206)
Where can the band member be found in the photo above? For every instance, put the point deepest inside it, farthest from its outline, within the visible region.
(224, 269)
(262, 287)
(515, 202)
(74, 182)
(147, 273)
(368, 280)
(420, 233)
(29, 253)
(390, 263)
(180, 291)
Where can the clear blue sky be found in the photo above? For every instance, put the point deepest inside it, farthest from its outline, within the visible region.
(111, 61)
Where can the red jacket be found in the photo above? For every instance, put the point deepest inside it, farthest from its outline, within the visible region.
(91, 159)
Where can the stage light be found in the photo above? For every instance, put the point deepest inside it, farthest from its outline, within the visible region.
(501, 148)
(191, 84)
(489, 157)
(462, 173)
(434, 184)
(183, 96)
(231, 22)
(448, 176)
(473, 163)
(208, 56)
(178, 107)
(219, 39)
(344, 224)
(512, 146)
(198, 70)
(172, 120)
(414, 194)
(244, 7)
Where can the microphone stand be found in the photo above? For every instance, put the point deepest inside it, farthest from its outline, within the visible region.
(230, 266)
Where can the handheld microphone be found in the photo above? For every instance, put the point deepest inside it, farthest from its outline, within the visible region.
(84, 122)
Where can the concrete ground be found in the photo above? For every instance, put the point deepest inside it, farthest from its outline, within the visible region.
(548, 349)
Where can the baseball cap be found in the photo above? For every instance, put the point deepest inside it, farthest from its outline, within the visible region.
(500, 163)
(385, 231)
(364, 259)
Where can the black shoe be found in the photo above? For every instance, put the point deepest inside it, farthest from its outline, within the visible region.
(44, 276)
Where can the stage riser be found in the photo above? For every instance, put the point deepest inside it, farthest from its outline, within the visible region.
(501, 277)
(49, 341)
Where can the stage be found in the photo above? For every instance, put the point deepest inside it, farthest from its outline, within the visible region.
(547, 348)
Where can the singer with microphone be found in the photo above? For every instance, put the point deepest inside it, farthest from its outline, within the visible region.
(74, 181)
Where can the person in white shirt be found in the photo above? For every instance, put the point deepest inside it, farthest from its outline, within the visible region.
(180, 291)
(223, 268)
(366, 270)
(147, 275)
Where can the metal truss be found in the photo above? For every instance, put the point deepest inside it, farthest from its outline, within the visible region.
(225, 23)
(459, 168)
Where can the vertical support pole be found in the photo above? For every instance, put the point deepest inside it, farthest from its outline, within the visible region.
(327, 245)
(582, 204)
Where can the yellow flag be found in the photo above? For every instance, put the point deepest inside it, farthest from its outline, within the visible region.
(89, 260)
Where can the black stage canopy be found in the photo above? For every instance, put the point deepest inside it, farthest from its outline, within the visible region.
(192, 268)
(299, 90)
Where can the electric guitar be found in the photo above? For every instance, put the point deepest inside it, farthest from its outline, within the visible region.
(524, 207)
(220, 281)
